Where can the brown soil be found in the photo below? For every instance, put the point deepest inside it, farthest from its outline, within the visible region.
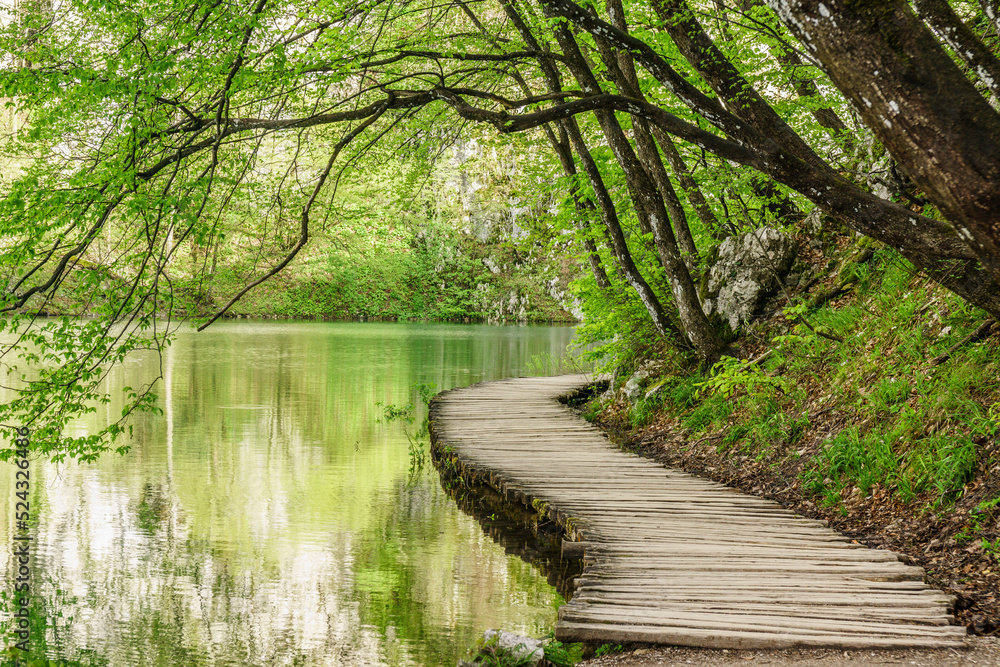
(980, 651)
(922, 536)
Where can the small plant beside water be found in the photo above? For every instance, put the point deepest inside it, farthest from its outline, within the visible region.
(550, 364)
(416, 442)
(563, 655)
(490, 653)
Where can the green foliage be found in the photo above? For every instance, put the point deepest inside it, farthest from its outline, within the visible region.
(684, 392)
(713, 412)
(769, 421)
(159, 161)
(982, 515)
(917, 429)
(562, 655)
(427, 273)
(417, 443)
(646, 409)
(489, 653)
(616, 328)
(991, 546)
(58, 369)
(608, 649)
(551, 364)
(730, 375)
(865, 461)
(426, 391)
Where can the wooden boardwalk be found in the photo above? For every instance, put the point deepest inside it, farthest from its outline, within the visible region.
(676, 559)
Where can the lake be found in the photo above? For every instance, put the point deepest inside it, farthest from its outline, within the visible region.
(268, 518)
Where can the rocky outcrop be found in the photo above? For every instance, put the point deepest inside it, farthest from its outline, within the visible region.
(641, 384)
(517, 648)
(748, 268)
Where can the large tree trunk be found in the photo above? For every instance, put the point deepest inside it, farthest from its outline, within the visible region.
(927, 114)
(992, 10)
(609, 216)
(939, 15)
(648, 202)
(759, 138)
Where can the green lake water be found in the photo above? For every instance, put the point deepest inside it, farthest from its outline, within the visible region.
(266, 517)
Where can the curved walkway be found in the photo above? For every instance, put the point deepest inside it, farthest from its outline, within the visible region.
(676, 559)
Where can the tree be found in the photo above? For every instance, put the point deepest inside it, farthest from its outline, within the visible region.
(155, 131)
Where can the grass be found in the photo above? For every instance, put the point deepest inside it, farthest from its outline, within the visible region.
(898, 422)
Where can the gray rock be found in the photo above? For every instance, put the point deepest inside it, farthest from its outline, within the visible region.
(749, 268)
(655, 389)
(607, 396)
(635, 385)
(813, 222)
(522, 647)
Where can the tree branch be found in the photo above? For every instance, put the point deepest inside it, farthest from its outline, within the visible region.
(304, 227)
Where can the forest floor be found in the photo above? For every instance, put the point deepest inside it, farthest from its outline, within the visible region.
(981, 651)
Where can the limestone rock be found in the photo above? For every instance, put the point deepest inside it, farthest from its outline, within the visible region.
(814, 221)
(749, 268)
(522, 647)
(635, 385)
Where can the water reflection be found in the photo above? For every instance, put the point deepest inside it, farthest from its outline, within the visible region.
(267, 519)
(520, 531)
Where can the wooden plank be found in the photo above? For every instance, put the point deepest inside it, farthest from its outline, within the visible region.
(753, 621)
(713, 638)
(673, 558)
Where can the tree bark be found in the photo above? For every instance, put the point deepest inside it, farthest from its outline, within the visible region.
(992, 10)
(928, 115)
(621, 71)
(939, 15)
(688, 184)
(648, 202)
